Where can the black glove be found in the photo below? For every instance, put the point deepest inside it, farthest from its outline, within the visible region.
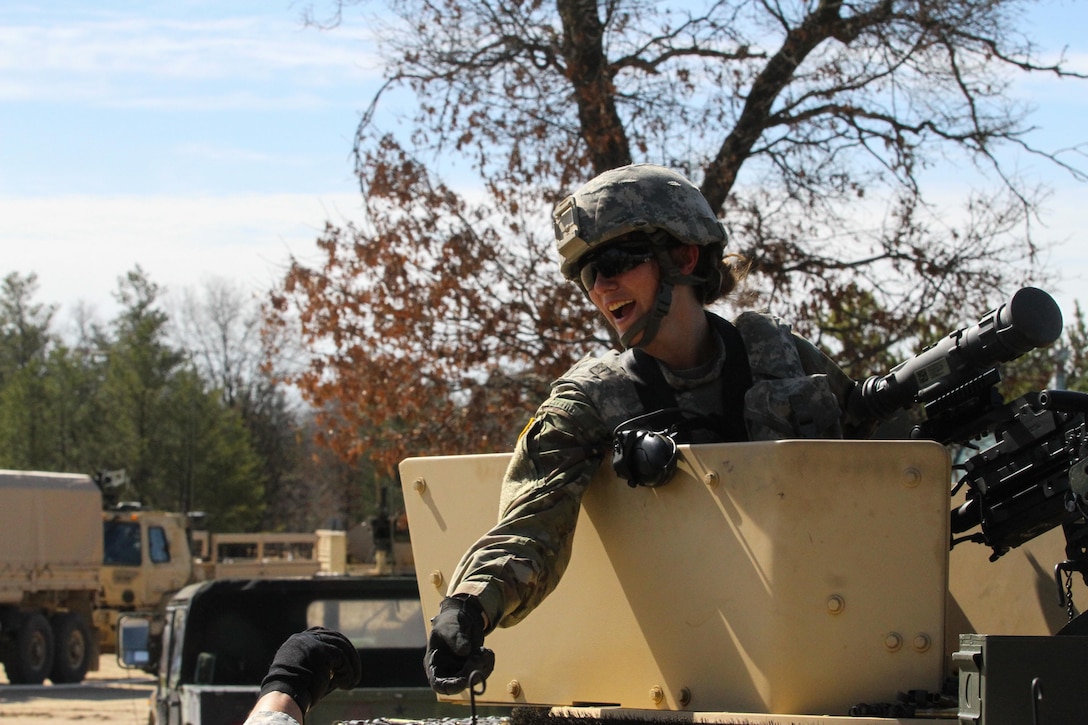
(456, 658)
(309, 664)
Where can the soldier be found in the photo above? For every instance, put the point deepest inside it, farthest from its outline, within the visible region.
(645, 247)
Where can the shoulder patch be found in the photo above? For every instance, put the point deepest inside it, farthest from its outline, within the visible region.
(526, 428)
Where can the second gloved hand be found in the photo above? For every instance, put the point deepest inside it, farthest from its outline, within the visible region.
(456, 657)
(309, 664)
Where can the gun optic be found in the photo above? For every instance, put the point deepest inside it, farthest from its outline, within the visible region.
(1029, 320)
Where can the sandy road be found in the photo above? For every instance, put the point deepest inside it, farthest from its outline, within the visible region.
(111, 696)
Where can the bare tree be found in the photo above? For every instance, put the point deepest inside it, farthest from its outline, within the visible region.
(809, 126)
(220, 326)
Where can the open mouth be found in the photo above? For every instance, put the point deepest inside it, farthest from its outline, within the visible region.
(621, 310)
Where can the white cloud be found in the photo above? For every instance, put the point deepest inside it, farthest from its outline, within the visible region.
(80, 245)
(121, 61)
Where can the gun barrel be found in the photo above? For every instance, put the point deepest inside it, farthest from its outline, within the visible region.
(1028, 320)
(1067, 401)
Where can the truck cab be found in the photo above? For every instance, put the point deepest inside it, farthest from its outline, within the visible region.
(220, 637)
(146, 558)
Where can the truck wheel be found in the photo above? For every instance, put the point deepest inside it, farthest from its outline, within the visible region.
(32, 659)
(72, 648)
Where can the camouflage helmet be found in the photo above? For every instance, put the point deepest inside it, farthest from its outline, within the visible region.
(638, 197)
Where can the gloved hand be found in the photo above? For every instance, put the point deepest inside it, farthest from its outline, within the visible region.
(309, 664)
(456, 649)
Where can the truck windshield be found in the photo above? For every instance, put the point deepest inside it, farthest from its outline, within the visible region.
(386, 623)
(121, 543)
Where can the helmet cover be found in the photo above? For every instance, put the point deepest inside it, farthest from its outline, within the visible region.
(638, 197)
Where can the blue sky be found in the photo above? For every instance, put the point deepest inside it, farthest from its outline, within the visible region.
(196, 139)
(202, 138)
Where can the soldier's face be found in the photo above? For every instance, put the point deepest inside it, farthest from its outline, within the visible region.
(627, 295)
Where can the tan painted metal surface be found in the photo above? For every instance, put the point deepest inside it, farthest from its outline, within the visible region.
(50, 534)
(1016, 594)
(784, 577)
(627, 716)
(143, 586)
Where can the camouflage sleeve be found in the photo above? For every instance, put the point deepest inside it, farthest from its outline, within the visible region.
(816, 362)
(516, 564)
(268, 717)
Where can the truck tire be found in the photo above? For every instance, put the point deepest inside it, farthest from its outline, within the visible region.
(32, 659)
(71, 648)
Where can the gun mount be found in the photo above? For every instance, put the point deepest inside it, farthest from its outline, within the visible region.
(1029, 470)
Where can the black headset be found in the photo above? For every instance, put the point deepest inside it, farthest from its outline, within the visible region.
(644, 454)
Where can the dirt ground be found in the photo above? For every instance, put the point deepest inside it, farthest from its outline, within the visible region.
(110, 696)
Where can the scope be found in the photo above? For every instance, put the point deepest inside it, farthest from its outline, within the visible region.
(1029, 320)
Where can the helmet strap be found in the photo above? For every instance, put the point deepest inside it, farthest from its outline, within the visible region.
(649, 323)
(671, 276)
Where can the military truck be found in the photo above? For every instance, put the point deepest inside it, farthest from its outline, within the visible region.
(150, 555)
(50, 554)
(221, 636)
(69, 570)
(146, 559)
(813, 582)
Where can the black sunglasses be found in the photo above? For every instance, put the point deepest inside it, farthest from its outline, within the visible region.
(611, 262)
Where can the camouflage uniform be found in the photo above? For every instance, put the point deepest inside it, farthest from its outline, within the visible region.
(268, 717)
(797, 392)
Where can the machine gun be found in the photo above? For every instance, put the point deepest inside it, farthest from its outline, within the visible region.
(1029, 470)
